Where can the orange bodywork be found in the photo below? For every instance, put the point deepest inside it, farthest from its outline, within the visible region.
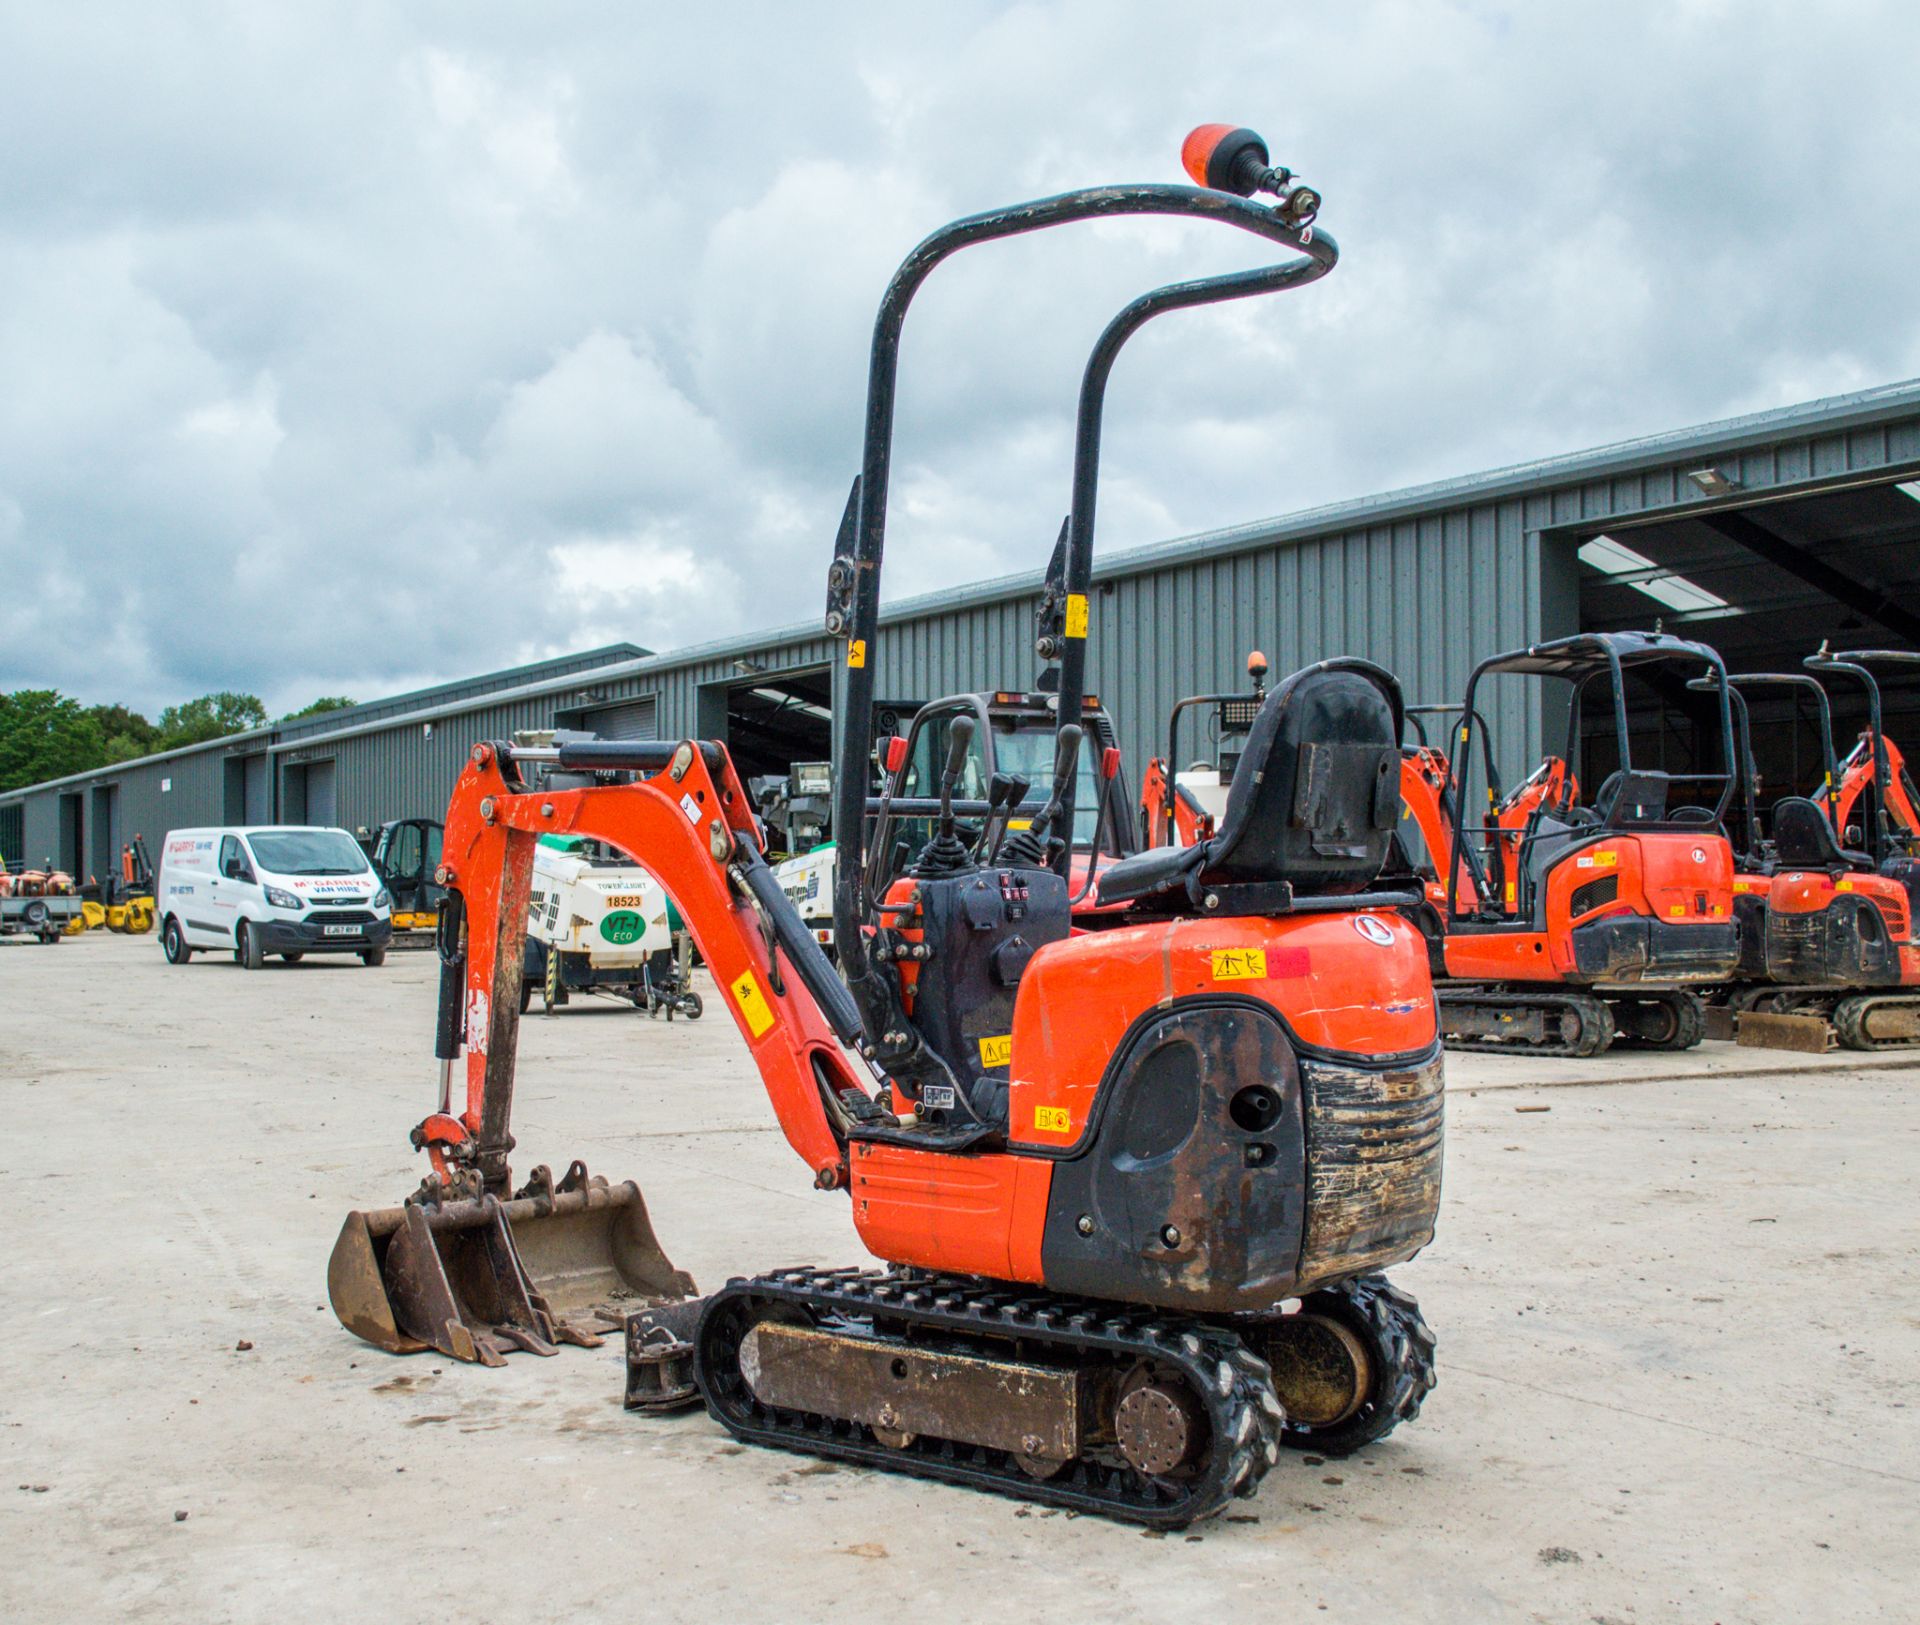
(1345, 982)
(1673, 878)
(1813, 891)
(1856, 775)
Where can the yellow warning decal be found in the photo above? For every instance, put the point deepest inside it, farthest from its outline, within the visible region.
(753, 1003)
(1076, 615)
(1845, 885)
(1239, 964)
(1606, 860)
(996, 1051)
(856, 651)
(1053, 1119)
(1019, 823)
(1678, 911)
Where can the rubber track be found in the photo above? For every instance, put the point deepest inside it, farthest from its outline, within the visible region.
(1847, 1013)
(1234, 1382)
(1690, 1021)
(1596, 1021)
(1404, 1342)
(1850, 1019)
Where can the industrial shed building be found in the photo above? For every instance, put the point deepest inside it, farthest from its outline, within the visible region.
(1762, 535)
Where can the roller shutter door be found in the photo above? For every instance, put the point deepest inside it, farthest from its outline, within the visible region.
(631, 719)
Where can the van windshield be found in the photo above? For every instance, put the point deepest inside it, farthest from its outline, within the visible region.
(308, 852)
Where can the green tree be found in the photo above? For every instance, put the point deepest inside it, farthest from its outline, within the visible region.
(329, 702)
(212, 716)
(45, 735)
(127, 733)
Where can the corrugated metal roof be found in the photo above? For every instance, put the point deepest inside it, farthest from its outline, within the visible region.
(1834, 412)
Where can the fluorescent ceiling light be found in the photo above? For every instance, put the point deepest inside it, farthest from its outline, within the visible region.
(1911, 487)
(1676, 592)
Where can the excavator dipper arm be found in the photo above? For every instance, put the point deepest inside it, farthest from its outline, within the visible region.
(688, 820)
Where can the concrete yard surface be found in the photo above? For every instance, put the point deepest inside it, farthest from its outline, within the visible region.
(1678, 1320)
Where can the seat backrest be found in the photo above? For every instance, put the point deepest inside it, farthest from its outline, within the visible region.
(1802, 837)
(1316, 797)
(1632, 798)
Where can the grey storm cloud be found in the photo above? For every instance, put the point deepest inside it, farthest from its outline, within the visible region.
(345, 347)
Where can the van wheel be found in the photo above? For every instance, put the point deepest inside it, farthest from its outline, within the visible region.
(292, 959)
(173, 943)
(246, 947)
(373, 956)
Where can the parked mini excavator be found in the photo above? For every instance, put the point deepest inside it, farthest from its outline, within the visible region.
(1134, 1189)
(1179, 806)
(1878, 804)
(1559, 924)
(1839, 959)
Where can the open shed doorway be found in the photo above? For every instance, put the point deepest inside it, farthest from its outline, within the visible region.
(1767, 584)
(775, 719)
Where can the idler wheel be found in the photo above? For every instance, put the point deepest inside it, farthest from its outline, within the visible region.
(1320, 1369)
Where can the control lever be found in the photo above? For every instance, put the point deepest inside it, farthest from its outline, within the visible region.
(1066, 755)
(959, 739)
(1005, 791)
(1028, 847)
(946, 854)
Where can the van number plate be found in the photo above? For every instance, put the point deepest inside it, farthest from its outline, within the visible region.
(340, 930)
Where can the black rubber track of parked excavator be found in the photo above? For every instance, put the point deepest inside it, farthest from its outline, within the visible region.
(1689, 1020)
(1851, 1016)
(1404, 1345)
(1847, 1013)
(1593, 1013)
(1234, 1384)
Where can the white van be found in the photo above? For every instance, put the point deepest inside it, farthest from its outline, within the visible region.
(286, 889)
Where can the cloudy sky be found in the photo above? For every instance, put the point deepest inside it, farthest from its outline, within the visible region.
(348, 346)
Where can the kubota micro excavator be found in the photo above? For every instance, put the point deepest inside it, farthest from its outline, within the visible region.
(1134, 1188)
(1561, 924)
(1840, 955)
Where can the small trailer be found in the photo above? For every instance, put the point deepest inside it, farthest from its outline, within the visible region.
(34, 903)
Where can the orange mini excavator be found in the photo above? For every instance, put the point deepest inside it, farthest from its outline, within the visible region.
(1134, 1189)
(1840, 954)
(1877, 803)
(1561, 923)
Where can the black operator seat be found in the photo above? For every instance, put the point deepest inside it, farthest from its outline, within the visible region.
(1315, 800)
(1803, 839)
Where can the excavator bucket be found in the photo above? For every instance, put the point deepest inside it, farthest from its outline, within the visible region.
(477, 1277)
